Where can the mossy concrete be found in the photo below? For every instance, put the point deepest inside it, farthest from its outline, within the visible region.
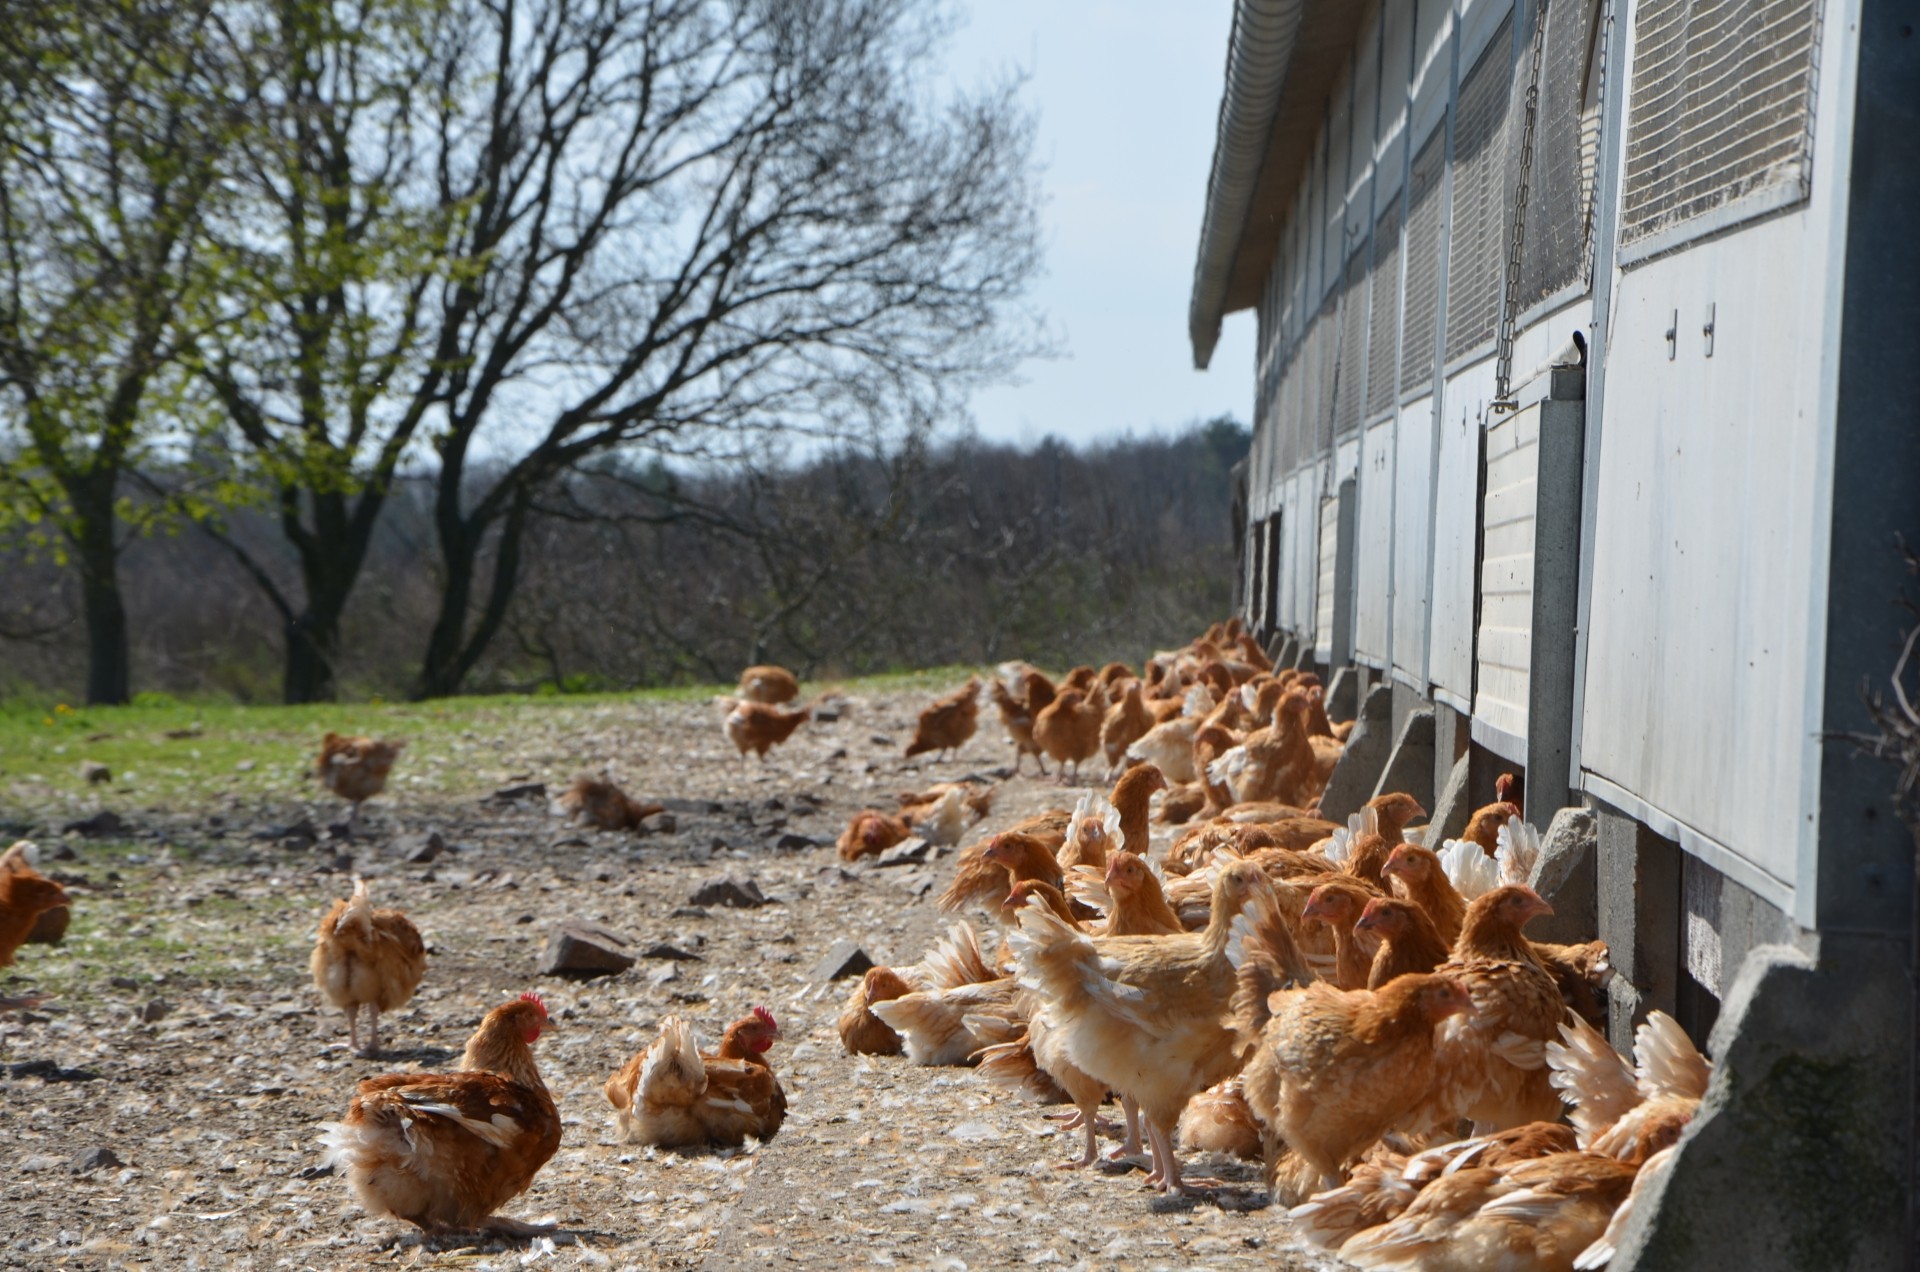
(1799, 1157)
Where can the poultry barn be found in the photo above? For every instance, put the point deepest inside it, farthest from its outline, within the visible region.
(1579, 455)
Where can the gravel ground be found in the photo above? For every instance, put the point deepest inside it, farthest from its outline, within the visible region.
(188, 1040)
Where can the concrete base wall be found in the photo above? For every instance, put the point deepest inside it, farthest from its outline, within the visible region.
(1798, 1160)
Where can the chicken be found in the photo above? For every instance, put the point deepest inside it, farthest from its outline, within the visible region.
(1483, 827)
(1092, 836)
(985, 871)
(1021, 692)
(941, 812)
(355, 769)
(1338, 903)
(946, 1026)
(758, 727)
(604, 806)
(1581, 972)
(25, 895)
(1047, 1065)
(1537, 1214)
(1336, 1069)
(861, 1032)
(1127, 722)
(673, 1095)
(1385, 1183)
(1416, 875)
(1132, 796)
(1139, 904)
(1068, 729)
(1049, 895)
(769, 684)
(443, 1151)
(949, 722)
(1491, 1064)
(1409, 943)
(1142, 1014)
(1168, 746)
(1195, 845)
(870, 833)
(1218, 1120)
(368, 958)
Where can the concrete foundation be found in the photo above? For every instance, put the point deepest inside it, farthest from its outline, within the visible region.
(1368, 747)
(1343, 694)
(1410, 767)
(1567, 876)
(1452, 807)
(1799, 1157)
(1637, 905)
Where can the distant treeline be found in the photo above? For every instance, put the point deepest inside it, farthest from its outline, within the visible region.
(965, 552)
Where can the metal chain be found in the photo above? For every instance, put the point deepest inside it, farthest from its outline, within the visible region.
(1510, 300)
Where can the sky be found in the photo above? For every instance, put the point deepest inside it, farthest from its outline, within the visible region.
(1126, 93)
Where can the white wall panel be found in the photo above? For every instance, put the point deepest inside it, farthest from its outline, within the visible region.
(1505, 643)
(1697, 692)
(1375, 548)
(1456, 532)
(1412, 524)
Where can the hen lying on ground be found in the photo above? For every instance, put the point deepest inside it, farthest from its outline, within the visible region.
(673, 1095)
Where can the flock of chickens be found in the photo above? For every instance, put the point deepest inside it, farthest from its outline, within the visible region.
(1425, 1086)
(1362, 1013)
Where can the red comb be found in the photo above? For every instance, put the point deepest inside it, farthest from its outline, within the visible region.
(765, 1017)
(535, 1000)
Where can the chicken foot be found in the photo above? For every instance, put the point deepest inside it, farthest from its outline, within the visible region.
(1166, 1171)
(373, 1030)
(1130, 1149)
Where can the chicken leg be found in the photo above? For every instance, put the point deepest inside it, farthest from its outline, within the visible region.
(373, 1028)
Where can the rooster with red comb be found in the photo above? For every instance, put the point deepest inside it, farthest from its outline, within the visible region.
(443, 1151)
(674, 1095)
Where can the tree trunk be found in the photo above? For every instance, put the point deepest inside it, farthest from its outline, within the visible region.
(312, 641)
(440, 672)
(109, 681)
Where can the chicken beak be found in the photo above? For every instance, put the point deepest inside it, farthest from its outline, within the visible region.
(1539, 909)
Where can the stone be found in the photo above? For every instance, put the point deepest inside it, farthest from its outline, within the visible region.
(690, 912)
(826, 714)
(99, 826)
(1361, 762)
(834, 876)
(95, 773)
(843, 958)
(580, 947)
(38, 1162)
(92, 1159)
(916, 883)
(789, 841)
(519, 790)
(51, 927)
(914, 851)
(245, 766)
(663, 823)
(1566, 877)
(660, 949)
(880, 739)
(157, 1009)
(732, 891)
(665, 974)
(418, 850)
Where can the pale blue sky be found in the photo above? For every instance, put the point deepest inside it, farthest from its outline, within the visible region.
(1127, 92)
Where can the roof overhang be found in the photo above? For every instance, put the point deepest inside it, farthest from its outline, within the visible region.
(1282, 61)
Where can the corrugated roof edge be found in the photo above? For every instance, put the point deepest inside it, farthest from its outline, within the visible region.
(1259, 55)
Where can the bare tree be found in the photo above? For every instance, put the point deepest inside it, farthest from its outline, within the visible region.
(114, 119)
(686, 227)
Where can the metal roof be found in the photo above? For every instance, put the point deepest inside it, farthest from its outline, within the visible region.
(1282, 60)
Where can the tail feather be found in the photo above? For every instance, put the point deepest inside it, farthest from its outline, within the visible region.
(956, 960)
(1593, 1078)
(672, 1074)
(1666, 1061)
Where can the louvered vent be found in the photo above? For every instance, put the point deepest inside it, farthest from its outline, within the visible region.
(1555, 254)
(1423, 263)
(1353, 346)
(1384, 318)
(1722, 110)
(1475, 255)
(1329, 355)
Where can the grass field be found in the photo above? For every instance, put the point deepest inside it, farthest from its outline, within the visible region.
(179, 754)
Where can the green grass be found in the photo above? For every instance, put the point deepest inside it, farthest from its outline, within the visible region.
(169, 753)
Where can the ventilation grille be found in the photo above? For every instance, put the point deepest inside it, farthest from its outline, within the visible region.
(1423, 262)
(1566, 133)
(1479, 228)
(1384, 318)
(1330, 328)
(1722, 108)
(1353, 347)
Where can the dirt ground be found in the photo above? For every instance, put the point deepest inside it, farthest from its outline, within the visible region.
(187, 1038)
